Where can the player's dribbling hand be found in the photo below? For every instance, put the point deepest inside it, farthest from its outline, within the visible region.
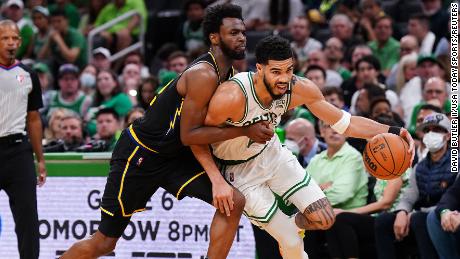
(260, 132)
(408, 138)
(222, 197)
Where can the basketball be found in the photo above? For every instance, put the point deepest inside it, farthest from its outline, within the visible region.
(386, 157)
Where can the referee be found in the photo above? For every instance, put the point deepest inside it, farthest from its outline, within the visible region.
(20, 99)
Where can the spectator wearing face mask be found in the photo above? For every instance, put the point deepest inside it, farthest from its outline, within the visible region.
(88, 79)
(301, 140)
(430, 181)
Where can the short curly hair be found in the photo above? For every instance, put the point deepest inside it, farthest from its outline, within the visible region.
(214, 16)
(272, 48)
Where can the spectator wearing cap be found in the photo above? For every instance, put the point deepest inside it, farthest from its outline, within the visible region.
(434, 93)
(419, 26)
(431, 178)
(123, 33)
(37, 50)
(385, 48)
(15, 11)
(66, 44)
(69, 9)
(411, 93)
(101, 58)
(69, 95)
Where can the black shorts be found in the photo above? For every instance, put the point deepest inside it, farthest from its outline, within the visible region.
(136, 173)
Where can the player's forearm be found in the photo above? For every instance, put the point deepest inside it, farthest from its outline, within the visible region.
(207, 135)
(204, 157)
(364, 128)
(34, 129)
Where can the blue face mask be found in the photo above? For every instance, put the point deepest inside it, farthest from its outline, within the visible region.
(87, 80)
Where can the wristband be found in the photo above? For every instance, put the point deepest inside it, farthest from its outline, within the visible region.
(394, 130)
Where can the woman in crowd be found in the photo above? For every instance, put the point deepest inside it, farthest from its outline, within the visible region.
(108, 95)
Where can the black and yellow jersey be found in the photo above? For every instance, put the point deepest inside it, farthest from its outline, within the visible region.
(159, 129)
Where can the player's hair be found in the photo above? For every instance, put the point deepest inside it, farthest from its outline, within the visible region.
(272, 48)
(214, 16)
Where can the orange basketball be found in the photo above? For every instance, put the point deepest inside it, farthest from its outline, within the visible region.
(386, 157)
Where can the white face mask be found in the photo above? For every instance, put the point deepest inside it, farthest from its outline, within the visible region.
(88, 80)
(434, 141)
(292, 146)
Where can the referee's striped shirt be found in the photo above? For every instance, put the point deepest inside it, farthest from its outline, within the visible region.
(19, 93)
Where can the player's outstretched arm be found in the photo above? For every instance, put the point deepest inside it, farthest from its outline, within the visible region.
(306, 92)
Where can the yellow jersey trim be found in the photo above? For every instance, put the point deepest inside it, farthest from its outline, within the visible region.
(123, 181)
(107, 212)
(186, 183)
(131, 131)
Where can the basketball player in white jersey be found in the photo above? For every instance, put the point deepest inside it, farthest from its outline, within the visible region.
(259, 170)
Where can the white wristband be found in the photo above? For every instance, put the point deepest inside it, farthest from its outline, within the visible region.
(342, 125)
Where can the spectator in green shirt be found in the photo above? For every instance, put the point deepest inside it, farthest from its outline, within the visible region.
(122, 34)
(339, 170)
(108, 95)
(70, 10)
(108, 127)
(385, 47)
(15, 11)
(67, 45)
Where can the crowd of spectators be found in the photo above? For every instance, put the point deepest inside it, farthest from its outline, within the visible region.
(387, 60)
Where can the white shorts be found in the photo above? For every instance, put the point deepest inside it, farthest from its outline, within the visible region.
(275, 170)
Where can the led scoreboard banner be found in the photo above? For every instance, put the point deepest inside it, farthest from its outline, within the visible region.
(68, 210)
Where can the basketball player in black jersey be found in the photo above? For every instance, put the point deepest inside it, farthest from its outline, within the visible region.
(152, 152)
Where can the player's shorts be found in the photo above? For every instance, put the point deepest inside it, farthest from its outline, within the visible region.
(136, 173)
(275, 170)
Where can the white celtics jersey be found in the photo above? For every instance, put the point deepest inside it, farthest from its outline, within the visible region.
(241, 149)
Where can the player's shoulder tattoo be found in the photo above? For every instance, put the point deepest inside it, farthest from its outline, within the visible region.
(296, 78)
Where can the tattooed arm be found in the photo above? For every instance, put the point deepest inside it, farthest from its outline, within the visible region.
(317, 216)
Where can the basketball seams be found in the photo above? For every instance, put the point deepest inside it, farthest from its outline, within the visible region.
(391, 153)
(404, 160)
(370, 151)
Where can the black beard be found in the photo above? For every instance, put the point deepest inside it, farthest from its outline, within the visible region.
(270, 91)
(231, 53)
